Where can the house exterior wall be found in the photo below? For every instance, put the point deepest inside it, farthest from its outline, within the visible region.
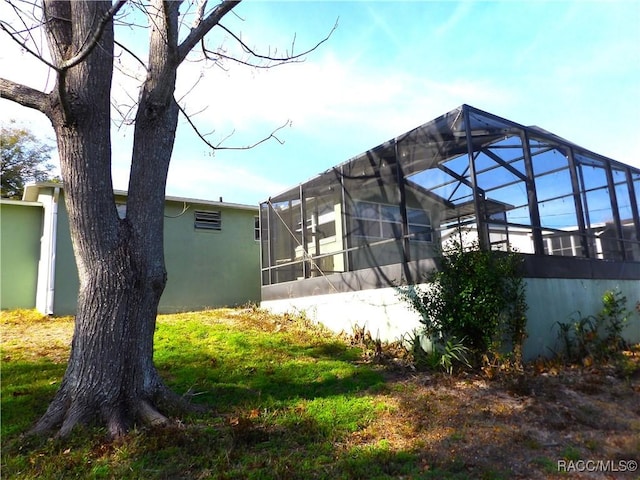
(20, 231)
(66, 274)
(553, 300)
(205, 268)
(210, 268)
(388, 318)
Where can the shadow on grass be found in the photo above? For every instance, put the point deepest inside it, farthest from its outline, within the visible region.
(272, 387)
(284, 410)
(27, 388)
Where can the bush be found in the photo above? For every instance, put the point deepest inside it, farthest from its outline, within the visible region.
(476, 297)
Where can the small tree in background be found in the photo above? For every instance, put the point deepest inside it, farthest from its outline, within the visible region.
(24, 159)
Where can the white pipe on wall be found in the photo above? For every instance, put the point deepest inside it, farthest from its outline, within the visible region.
(53, 235)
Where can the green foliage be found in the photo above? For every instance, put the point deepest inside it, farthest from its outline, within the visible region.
(476, 296)
(452, 352)
(24, 159)
(445, 354)
(596, 337)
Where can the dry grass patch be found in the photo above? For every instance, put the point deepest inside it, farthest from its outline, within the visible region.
(484, 429)
(48, 337)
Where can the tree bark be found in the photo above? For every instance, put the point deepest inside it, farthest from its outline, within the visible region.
(111, 377)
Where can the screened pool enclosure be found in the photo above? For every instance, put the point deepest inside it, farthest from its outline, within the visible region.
(467, 174)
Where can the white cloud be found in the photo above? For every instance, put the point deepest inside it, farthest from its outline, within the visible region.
(331, 94)
(211, 178)
(342, 101)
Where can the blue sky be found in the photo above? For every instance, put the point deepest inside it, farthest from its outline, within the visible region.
(571, 67)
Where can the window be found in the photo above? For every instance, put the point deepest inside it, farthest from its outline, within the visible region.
(256, 229)
(207, 220)
(562, 244)
(419, 223)
(322, 223)
(378, 221)
(381, 221)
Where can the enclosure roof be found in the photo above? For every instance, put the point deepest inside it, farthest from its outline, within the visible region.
(450, 130)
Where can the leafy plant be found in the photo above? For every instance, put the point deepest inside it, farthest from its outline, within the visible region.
(615, 317)
(452, 352)
(444, 354)
(596, 337)
(418, 356)
(475, 295)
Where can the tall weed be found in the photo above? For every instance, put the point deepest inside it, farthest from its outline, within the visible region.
(596, 338)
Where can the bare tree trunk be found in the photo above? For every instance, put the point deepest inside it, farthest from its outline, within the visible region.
(110, 376)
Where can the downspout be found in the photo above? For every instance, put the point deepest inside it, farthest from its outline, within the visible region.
(53, 235)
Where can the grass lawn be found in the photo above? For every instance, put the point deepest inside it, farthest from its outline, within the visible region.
(287, 400)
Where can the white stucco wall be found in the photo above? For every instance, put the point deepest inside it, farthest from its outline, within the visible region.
(380, 311)
(388, 318)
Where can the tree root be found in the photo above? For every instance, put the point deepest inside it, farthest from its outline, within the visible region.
(66, 410)
(54, 416)
(149, 415)
(170, 400)
(64, 415)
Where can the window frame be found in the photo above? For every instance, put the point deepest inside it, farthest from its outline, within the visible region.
(385, 222)
(256, 228)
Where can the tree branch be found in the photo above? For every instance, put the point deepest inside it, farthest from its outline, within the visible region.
(57, 18)
(130, 52)
(219, 147)
(13, 35)
(202, 4)
(25, 96)
(201, 28)
(245, 62)
(285, 59)
(93, 41)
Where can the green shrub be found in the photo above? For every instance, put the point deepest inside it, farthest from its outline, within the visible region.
(444, 354)
(477, 297)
